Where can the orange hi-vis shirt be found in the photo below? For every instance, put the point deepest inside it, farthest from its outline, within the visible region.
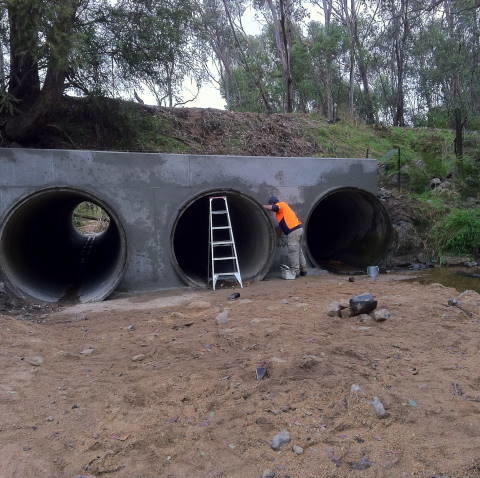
(286, 217)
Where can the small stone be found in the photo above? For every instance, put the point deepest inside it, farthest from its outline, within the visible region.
(269, 474)
(363, 304)
(355, 388)
(365, 318)
(222, 318)
(381, 315)
(362, 464)
(412, 403)
(280, 439)
(379, 408)
(35, 361)
(333, 309)
(199, 304)
(88, 351)
(50, 419)
(345, 313)
(139, 358)
(298, 450)
(131, 328)
(74, 406)
(351, 279)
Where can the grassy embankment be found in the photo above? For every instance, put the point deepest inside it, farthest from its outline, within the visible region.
(451, 212)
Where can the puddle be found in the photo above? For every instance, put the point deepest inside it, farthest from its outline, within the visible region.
(450, 277)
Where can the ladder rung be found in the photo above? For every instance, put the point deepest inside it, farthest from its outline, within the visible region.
(226, 274)
(217, 197)
(222, 243)
(221, 227)
(223, 258)
(223, 211)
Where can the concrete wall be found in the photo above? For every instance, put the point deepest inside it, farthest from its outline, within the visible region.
(146, 191)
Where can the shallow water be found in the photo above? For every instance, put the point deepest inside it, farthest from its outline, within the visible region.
(448, 276)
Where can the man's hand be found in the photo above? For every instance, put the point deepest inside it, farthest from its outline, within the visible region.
(268, 207)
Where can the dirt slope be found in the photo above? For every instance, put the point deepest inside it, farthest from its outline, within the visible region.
(191, 407)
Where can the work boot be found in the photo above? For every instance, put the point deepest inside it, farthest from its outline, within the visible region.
(303, 272)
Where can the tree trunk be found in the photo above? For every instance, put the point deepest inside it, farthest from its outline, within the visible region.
(351, 83)
(283, 42)
(24, 83)
(327, 12)
(25, 125)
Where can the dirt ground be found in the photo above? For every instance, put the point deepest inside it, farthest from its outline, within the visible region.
(189, 405)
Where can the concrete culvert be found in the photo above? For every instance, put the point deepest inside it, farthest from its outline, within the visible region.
(348, 226)
(253, 232)
(45, 257)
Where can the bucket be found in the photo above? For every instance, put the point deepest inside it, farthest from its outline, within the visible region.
(287, 273)
(372, 271)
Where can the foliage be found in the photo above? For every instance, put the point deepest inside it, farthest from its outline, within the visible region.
(458, 233)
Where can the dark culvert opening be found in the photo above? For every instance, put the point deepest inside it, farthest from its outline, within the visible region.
(47, 256)
(348, 227)
(253, 233)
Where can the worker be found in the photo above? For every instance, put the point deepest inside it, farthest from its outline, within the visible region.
(292, 227)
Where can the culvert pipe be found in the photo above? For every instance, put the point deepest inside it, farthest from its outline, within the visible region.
(253, 232)
(44, 257)
(348, 227)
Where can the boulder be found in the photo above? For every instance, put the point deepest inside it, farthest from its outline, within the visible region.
(363, 304)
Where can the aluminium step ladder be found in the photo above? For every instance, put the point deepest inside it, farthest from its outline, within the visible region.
(221, 237)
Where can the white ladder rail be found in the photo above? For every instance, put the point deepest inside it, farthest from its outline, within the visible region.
(225, 243)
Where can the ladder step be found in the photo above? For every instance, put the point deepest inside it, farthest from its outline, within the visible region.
(223, 211)
(222, 243)
(221, 227)
(223, 258)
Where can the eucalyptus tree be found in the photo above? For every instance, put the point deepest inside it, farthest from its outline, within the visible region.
(92, 46)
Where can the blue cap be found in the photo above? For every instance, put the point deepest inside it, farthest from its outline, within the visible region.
(273, 200)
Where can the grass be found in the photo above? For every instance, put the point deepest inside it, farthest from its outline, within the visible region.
(457, 233)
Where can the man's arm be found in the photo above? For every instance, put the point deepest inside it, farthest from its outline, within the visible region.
(271, 207)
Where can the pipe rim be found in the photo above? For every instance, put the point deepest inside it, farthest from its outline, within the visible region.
(119, 272)
(336, 190)
(186, 204)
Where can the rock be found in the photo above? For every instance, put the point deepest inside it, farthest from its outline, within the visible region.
(470, 264)
(50, 419)
(355, 388)
(35, 361)
(131, 328)
(298, 450)
(381, 315)
(365, 318)
(379, 408)
(280, 439)
(309, 361)
(139, 358)
(199, 304)
(269, 474)
(435, 182)
(363, 304)
(363, 464)
(345, 313)
(333, 309)
(351, 279)
(222, 317)
(88, 351)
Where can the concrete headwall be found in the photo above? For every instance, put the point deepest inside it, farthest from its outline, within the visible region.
(147, 191)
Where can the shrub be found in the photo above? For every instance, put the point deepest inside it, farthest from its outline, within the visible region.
(458, 233)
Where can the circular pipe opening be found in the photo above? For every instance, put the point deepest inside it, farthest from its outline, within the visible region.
(45, 257)
(348, 227)
(252, 229)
